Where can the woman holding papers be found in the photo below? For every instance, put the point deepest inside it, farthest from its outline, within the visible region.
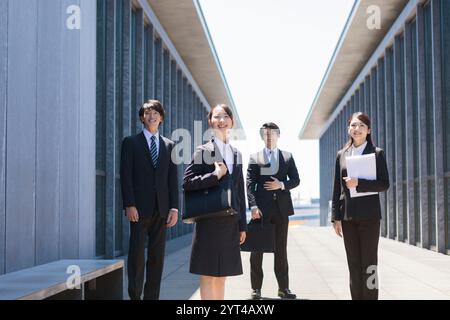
(356, 211)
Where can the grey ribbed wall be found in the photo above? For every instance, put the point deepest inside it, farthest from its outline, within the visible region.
(133, 65)
(67, 98)
(406, 96)
(47, 112)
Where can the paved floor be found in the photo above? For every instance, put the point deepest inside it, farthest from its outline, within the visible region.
(318, 270)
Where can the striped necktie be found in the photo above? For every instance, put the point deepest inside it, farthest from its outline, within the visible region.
(154, 152)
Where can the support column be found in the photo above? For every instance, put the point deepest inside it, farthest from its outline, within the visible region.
(180, 115)
(409, 132)
(398, 134)
(374, 104)
(367, 99)
(362, 92)
(173, 126)
(390, 144)
(166, 94)
(111, 192)
(423, 157)
(323, 196)
(127, 108)
(157, 58)
(438, 126)
(381, 123)
(140, 43)
(149, 72)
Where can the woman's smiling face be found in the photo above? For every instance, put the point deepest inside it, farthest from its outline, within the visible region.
(358, 130)
(221, 121)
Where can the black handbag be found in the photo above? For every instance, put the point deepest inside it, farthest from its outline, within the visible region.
(208, 203)
(260, 237)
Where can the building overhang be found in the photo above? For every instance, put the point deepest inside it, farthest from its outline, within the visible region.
(185, 25)
(355, 47)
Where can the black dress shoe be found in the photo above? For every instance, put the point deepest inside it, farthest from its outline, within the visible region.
(286, 294)
(256, 294)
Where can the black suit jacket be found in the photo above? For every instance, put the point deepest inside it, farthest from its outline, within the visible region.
(360, 208)
(200, 175)
(256, 177)
(141, 183)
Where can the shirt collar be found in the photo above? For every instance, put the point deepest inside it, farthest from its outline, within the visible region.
(221, 144)
(149, 135)
(359, 149)
(268, 151)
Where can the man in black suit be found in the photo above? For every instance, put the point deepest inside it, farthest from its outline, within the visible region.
(149, 182)
(271, 174)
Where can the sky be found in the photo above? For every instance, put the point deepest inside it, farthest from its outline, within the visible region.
(274, 54)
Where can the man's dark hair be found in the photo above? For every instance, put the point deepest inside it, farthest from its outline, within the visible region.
(269, 125)
(152, 105)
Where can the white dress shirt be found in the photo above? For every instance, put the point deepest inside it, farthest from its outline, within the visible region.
(148, 136)
(269, 153)
(357, 151)
(226, 152)
(274, 153)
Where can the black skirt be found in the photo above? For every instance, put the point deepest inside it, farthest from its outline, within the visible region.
(215, 248)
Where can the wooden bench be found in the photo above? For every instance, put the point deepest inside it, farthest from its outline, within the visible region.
(99, 279)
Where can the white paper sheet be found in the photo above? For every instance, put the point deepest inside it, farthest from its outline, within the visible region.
(361, 167)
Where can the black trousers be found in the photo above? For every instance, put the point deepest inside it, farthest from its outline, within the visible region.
(361, 245)
(151, 231)
(281, 267)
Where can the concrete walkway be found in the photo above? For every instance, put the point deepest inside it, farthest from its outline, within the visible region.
(318, 270)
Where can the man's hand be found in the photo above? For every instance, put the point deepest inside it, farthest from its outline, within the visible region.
(242, 237)
(272, 185)
(350, 182)
(172, 218)
(132, 214)
(221, 169)
(256, 214)
(337, 225)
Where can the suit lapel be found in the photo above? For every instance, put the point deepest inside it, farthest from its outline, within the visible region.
(215, 152)
(262, 159)
(368, 149)
(281, 161)
(218, 156)
(145, 147)
(162, 155)
(235, 160)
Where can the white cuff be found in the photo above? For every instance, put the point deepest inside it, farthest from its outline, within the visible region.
(282, 186)
(253, 207)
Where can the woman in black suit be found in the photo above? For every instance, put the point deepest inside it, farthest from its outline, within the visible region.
(216, 243)
(358, 218)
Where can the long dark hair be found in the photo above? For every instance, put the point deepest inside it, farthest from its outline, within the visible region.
(364, 118)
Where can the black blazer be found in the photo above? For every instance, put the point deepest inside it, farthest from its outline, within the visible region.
(258, 196)
(360, 208)
(200, 175)
(141, 183)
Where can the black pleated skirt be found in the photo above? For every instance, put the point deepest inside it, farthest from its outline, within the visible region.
(215, 248)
